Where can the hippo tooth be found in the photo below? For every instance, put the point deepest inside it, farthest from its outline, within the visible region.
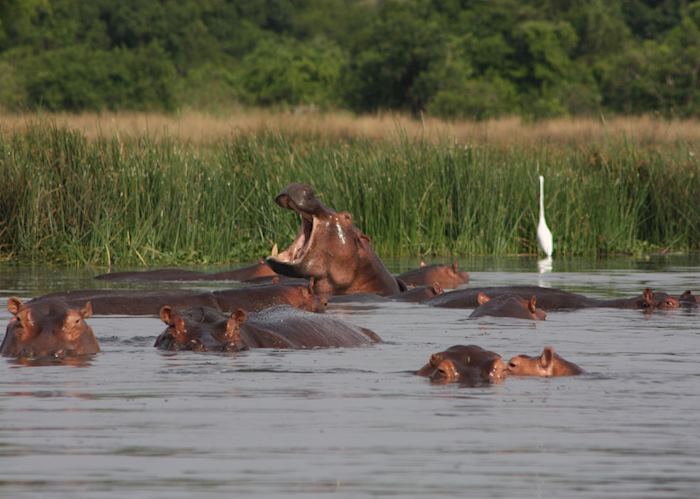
(274, 251)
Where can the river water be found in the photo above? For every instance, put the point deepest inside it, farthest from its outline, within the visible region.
(137, 422)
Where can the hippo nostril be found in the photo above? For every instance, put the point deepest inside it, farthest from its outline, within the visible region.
(512, 365)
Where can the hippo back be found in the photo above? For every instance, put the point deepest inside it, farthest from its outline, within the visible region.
(285, 325)
(547, 298)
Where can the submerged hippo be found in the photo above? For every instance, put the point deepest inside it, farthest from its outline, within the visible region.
(331, 249)
(447, 276)
(547, 298)
(149, 302)
(547, 364)
(552, 298)
(419, 294)
(508, 306)
(689, 300)
(470, 365)
(205, 329)
(251, 272)
(48, 329)
(648, 301)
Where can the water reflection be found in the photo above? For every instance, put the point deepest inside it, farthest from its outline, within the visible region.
(545, 265)
(72, 361)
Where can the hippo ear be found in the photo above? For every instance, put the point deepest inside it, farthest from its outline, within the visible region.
(648, 297)
(686, 294)
(482, 298)
(547, 357)
(166, 315)
(233, 331)
(173, 319)
(532, 304)
(239, 316)
(86, 311)
(422, 263)
(13, 305)
(455, 267)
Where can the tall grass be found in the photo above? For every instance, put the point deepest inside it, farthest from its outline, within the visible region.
(110, 200)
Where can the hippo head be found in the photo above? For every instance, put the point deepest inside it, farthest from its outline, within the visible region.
(662, 301)
(470, 365)
(48, 329)
(201, 329)
(514, 306)
(688, 299)
(546, 365)
(329, 248)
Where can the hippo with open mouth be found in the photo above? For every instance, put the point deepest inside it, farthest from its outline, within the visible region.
(331, 249)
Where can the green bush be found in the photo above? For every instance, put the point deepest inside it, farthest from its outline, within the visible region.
(287, 72)
(77, 78)
(475, 99)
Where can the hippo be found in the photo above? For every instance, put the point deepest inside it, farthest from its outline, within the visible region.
(330, 248)
(547, 298)
(508, 306)
(419, 294)
(251, 272)
(204, 329)
(547, 364)
(447, 276)
(552, 298)
(470, 365)
(648, 301)
(689, 300)
(149, 302)
(48, 329)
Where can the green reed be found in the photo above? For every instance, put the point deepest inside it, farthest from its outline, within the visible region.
(70, 200)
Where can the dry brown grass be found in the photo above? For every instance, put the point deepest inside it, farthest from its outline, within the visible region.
(199, 128)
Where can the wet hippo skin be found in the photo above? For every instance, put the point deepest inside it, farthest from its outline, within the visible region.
(330, 248)
(508, 306)
(208, 330)
(48, 329)
(466, 364)
(149, 302)
(447, 276)
(552, 299)
(689, 300)
(546, 365)
(251, 272)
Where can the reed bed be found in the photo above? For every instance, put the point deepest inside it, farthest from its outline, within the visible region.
(199, 128)
(68, 196)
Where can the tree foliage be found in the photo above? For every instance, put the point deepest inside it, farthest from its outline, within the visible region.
(457, 58)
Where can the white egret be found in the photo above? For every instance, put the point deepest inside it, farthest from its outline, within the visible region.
(544, 235)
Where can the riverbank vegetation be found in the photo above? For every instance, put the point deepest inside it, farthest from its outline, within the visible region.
(174, 194)
(455, 60)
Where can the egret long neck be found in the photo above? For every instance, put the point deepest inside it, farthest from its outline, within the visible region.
(541, 198)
